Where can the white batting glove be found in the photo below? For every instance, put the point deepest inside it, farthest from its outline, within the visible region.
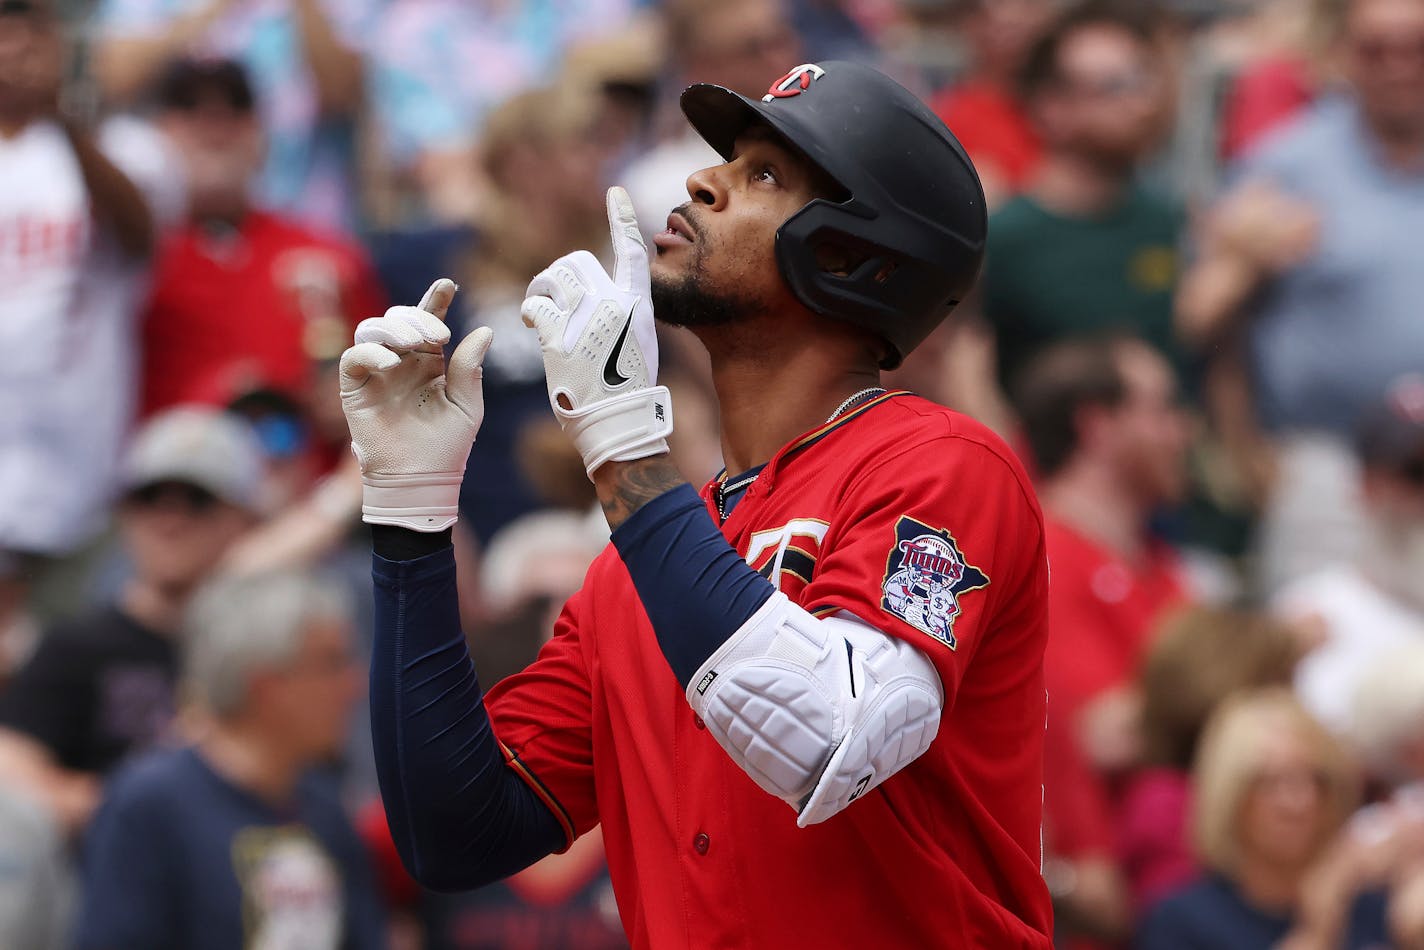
(412, 422)
(601, 348)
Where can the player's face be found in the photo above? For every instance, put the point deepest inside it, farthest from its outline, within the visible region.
(716, 261)
(1384, 58)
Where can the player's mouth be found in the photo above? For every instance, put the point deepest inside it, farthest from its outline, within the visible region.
(679, 232)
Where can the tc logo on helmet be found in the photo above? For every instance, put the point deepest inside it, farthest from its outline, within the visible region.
(794, 83)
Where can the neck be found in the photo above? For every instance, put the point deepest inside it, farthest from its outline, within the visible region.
(156, 607)
(251, 760)
(228, 213)
(769, 394)
(1270, 887)
(1072, 185)
(1096, 504)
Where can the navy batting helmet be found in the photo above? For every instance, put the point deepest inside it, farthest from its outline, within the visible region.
(914, 218)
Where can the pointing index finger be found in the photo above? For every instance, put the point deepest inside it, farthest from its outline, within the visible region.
(630, 254)
(437, 299)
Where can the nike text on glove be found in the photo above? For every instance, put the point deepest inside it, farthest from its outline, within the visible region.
(601, 348)
(412, 422)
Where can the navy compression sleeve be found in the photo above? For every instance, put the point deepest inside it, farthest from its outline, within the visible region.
(696, 589)
(459, 815)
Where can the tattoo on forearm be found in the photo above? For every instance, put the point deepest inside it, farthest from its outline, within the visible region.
(624, 487)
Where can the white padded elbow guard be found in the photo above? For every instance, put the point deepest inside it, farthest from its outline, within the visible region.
(817, 711)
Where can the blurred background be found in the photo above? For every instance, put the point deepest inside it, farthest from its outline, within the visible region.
(1201, 323)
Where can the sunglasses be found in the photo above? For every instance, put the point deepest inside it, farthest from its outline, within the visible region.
(169, 496)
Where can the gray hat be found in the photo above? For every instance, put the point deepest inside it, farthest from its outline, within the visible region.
(199, 446)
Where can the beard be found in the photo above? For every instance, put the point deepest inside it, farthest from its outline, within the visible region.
(689, 301)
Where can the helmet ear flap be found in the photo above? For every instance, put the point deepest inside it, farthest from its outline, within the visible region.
(830, 257)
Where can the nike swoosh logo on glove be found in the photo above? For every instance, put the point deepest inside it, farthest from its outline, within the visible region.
(611, 376)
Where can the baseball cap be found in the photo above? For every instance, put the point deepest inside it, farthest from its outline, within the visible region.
(190, 82)
(211, 449)
(1391, 433)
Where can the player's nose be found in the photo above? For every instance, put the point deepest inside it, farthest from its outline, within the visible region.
(706, 187)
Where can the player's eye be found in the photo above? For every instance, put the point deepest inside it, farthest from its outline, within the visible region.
(767, 174)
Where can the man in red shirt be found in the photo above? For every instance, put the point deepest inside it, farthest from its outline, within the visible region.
(1109, 444)
(820, 677)
(241, 298)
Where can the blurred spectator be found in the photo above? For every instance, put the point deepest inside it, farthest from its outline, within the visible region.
(1108, 444)
(79, 210)
(1311, 259)
(1086, 249)
(234, 842)
(101, 687)
(303, 56)
(1374, 603)
(983, 108)
(439, 68)
(242, 298)
(1184, 678)
(1272, 790)
(548, 178)
(540, 557)
(741, 44)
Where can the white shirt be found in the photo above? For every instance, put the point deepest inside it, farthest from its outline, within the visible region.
(1363, 625)
(67, 304)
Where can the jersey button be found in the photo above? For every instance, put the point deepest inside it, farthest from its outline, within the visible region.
(701, 843)
(697, 721)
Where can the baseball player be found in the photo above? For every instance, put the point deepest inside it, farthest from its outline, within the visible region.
(806, 704)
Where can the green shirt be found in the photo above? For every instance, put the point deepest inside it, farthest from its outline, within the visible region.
(1050, 277)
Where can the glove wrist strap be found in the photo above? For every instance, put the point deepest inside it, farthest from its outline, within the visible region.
(630, 426)
(419, 502)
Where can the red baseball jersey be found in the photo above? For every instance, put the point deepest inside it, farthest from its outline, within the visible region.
(917, 520)
(251, 308)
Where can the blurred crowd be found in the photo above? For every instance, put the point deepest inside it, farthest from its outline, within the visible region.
(1201, 323)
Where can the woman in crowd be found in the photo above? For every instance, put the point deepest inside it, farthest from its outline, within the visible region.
(1272, 790)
